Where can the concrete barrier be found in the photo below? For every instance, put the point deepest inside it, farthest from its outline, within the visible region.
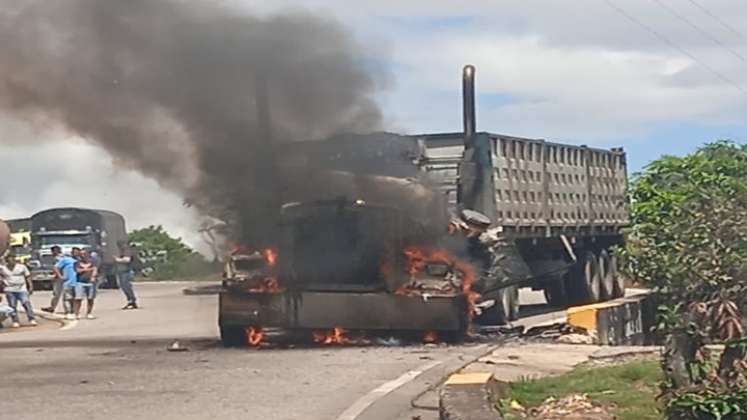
(470, 396)
(625, 321)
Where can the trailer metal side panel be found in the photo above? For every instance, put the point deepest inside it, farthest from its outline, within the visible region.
(440, 158)
(540, 187)
(540, 183)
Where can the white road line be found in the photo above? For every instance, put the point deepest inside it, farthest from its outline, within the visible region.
(352, 412)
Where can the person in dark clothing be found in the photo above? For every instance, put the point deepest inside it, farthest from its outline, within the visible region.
(126, 262)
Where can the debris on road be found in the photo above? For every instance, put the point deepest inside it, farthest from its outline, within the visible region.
(575, 339)
(554, 331)
(176, 346)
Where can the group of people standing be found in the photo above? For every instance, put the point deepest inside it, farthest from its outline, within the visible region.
(76, 280)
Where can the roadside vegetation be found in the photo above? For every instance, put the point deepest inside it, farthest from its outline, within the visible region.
(688, 242)
(627, 391)
(167, 258)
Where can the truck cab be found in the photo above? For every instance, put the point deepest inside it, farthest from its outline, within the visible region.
(20, 246)
(68, 228)
(42, 262)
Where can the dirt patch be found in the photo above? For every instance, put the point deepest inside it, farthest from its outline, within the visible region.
(570, 407)
(620, 360)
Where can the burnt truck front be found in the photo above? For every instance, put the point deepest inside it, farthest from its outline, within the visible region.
(348, 265)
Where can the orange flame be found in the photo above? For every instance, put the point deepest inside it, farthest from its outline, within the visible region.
(430, 337)
(336, 336)
(255, 336)
(418, 259)
(268, 285)
(271, 256)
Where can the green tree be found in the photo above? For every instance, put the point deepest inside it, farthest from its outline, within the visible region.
(167, 257)
(688, 242)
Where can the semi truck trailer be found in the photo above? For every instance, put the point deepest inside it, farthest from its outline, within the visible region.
(365, 239)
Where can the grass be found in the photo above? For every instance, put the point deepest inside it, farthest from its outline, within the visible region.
(630, 389)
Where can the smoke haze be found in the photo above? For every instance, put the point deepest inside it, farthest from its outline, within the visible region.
(176, 89)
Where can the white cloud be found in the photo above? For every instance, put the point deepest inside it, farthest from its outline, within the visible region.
(71, 173)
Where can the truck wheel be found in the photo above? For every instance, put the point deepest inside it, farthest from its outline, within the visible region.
(592, 280)
(507, 305)
(617, 279)
(233, 336)
(584, 280)
(514, 303)
(555, 293)
(606, 277)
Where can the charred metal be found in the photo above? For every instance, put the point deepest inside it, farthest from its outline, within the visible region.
(430, 232)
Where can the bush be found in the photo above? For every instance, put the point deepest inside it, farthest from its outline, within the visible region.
(688, 242)
(167, 258)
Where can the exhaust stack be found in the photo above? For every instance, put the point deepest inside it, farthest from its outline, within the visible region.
(468, 102)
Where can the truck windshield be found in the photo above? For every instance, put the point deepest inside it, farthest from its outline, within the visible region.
(21, 249)
(47, 240)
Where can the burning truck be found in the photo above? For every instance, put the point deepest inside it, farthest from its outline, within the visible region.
(427, 233)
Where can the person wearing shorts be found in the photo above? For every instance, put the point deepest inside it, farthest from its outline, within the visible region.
(65, 269)
(85, 288)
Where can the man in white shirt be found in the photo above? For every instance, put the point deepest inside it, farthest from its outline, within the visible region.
(18, 286)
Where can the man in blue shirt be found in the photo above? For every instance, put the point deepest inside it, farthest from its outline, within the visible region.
(65, 269)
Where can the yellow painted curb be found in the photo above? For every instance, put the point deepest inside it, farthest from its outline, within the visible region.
(586, 316)
(469, 378)
(620, 321)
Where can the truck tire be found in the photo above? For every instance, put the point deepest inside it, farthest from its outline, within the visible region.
(233, 336)
(584, 280)
(606, 276)
(555, 292)
(617, 279)
(592, 279)
(507, 305)
(515, 303)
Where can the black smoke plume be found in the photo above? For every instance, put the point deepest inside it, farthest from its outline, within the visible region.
(190, 93)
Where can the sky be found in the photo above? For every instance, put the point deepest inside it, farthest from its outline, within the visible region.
(653, 76)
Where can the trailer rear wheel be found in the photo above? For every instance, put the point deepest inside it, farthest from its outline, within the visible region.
(592, 278)
(507, 305)
(584, 280)
(515, 303)
(617, 279)
(606, 276)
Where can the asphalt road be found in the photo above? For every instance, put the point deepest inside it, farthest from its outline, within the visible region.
(117, 367)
